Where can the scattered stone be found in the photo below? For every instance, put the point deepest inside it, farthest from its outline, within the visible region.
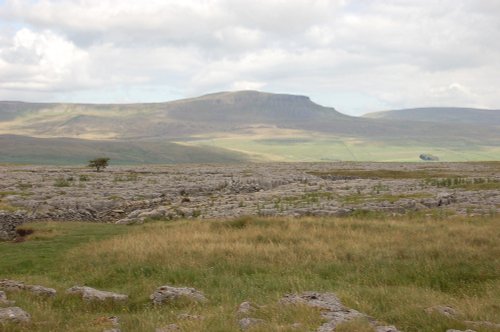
(14, 285)
(11, 285)
(229, 191)
(91, 294)
(483, 324)
(390, 328)
(190, 317)
(3, 299)
(114, 321)
(296, 326)
(14, 315)
(247, 323)
(443, 310)
(41, 291)
(166, 294)
(246, 308)
(332, 310)
(445, 199)
(169, 328)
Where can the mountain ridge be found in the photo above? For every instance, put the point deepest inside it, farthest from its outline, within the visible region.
(244, 120)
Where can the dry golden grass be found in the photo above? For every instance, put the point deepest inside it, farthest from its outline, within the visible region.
(390, 269)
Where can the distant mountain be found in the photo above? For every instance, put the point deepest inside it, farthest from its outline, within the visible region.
(231, 126)
(219, 112)
(442, 114)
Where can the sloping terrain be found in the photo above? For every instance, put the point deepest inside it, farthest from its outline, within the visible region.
(65, 151)
(262, 126)
(442, 115)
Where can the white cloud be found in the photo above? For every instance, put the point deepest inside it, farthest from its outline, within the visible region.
(41, 61)
(373, 54)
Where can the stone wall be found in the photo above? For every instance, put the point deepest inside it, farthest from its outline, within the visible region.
(8, 224)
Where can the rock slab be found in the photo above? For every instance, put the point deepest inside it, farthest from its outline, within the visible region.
(14, 315)
(167, 294)
(92, 294)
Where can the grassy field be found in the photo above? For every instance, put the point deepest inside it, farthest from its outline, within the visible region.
(323, 148)
(391, 269)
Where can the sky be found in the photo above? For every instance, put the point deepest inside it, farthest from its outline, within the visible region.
(357, 56)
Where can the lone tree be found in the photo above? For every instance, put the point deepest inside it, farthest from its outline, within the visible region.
(99, 163)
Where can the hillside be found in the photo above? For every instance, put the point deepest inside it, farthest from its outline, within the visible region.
(66, 151)
(442, 115)
(228, 125)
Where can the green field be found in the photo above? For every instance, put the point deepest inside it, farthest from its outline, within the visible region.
(347, 149)
(391, 269)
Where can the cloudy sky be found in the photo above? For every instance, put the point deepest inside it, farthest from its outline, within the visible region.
(354, 55)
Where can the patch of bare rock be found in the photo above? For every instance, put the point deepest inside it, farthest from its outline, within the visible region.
(456, 315)
(14, 315)
(128, 195)
(168, 294)
(92, 294)
(3, 299)
(332, 310)
(13, 285)
(249, 322)
(169, 328)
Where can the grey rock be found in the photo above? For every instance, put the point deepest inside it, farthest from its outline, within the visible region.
(11, 285)
(482, 324)
(4, 300)
(14, 315)
(190, 317)
(246, 308)
(443, 310)
(14, 285)
(386, 329)
(167, 294)
(92, 294)
(41, 291)
(332, 310)
(296, 326)
(247, 323)
(169, 328)
(445, 199)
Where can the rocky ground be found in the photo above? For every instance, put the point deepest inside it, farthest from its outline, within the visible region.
(135, 194)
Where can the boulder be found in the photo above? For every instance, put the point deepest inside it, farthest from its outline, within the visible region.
(332, 310)
(482, 324)
(11, 285)
(40, 290)
(246, 308)
(14, 315)
(168, 328)
(443, 310)
(247, 323)
(91, 294)
(168, 294)
(14, 285)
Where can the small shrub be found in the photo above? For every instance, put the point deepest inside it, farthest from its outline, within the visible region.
(62, 182)
(24, 231)
(83, 177)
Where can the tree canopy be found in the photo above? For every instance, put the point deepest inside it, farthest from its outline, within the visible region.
(99, 163)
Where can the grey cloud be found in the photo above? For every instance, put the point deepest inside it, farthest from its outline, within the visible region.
(396, 52)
